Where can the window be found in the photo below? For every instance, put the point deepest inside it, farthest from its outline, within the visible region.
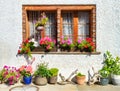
(74, 22)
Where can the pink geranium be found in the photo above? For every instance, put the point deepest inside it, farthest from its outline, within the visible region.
(47, 43)
(86, 45)
(66, 43)
(10, 74)
(26, 70)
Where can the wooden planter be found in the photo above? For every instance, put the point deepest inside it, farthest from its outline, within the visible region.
(80, 80)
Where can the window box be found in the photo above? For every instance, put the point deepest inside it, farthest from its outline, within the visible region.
(41, 49)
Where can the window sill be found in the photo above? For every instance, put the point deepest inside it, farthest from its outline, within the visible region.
(81, 53)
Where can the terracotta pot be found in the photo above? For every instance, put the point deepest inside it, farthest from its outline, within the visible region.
(80, 79)
(53, 80)
(40, 80)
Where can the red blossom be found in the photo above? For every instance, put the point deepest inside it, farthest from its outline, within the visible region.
(19, 51)
(89, 39)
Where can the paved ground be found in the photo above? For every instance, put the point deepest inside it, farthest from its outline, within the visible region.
(68, 87)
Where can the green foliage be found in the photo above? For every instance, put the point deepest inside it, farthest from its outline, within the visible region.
(1, 75)
(42, 21)
(104, 72)
(53, 72)
(116, 66)
(109, 61)
(80, 74)
(42, 70)
(25, 73)
(111, 64)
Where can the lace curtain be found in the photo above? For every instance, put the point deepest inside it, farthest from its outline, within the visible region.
(83, 25)
(67, 25)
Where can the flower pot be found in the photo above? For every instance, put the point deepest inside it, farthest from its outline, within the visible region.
(53, 80)
(115, 79)
(40, 28)
(80, 80)
(104, 81)
(27, 80)
(40, 80)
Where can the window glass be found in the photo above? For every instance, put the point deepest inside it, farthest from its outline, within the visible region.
(83, 25)
(67, 24)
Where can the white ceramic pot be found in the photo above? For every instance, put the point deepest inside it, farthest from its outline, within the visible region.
(40, 28)
(115, 79)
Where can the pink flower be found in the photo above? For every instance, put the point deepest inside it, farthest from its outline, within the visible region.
(48, 47)
(29, 69)
(79, 41)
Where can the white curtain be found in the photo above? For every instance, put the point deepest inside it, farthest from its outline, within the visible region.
(83, 25)
(67, 24)
(50, 28)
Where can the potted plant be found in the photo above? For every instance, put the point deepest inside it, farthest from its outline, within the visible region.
(116, 72)
(104, 73)
(41, 74)
(80, 78)
(85, 45)
(41, 22)
(47, 44)
(53, 75)
(25, 48)
(26, 72)
(113, 65)
(10, 75)
(66, 44)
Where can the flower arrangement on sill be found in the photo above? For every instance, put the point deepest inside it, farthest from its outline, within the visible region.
(11, 75)
(42, 21)
(86, 45)
(25, 70)
(26, 47)
(47, 43)
(66, 44)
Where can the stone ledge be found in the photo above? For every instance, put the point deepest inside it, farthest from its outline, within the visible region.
(75, 53)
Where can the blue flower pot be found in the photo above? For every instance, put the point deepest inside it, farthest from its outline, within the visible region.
(27, 80)
(104, 81)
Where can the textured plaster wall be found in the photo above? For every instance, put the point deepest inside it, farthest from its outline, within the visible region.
(107, 30)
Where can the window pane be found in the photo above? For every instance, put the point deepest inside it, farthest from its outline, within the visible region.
(67, 24)
(50, 28)
(83, 24)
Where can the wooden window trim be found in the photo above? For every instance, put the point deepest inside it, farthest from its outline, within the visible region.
(58, 9)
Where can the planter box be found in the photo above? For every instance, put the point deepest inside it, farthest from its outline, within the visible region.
(41, 49)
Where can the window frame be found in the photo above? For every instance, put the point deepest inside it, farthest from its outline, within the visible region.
(59, 9)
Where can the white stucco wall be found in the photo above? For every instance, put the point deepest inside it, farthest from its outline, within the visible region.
(107, 30)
